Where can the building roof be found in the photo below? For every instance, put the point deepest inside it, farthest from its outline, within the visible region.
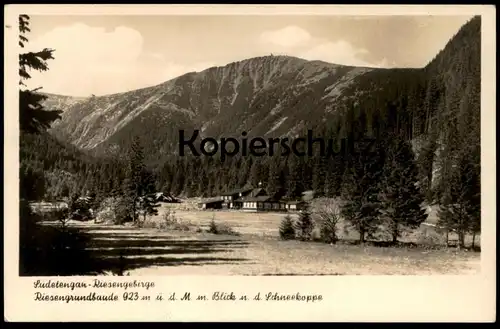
(161, 196)
(238, 191)
(295, 202)
(256, 191)
(261, 198)
(211, 200)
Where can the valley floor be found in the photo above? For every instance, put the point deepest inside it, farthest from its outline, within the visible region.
(150, 251)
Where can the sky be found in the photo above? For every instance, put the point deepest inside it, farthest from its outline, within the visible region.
(109, 54)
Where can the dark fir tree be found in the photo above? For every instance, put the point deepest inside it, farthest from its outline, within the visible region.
(139, 181)
(304, 225)
(33, 118)
(459, 210)
(148, 206)
(31, 184)
(258, 173)
(245, 171)
(319, 173)
(286, 229)
(295, 185)
(277, 180)
(425, 162)
(473, 192)
(401, 196)
(333, 176)
(212, 228)
(361, 188)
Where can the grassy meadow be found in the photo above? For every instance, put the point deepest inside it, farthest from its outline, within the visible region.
(177, 241)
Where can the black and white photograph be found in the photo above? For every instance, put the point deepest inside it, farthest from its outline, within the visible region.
(249, 145)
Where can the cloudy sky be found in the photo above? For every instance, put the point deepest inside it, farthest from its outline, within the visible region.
(109, 54)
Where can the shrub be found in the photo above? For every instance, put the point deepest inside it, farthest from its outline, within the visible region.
(81, 209)
(430, 238)
(180, 226)
(287, 231)
(169, 222)
(121, 210)
(106, 213)
(222, 228)
(226, 229)
(329, 216)
(169, 218)
(213, 227)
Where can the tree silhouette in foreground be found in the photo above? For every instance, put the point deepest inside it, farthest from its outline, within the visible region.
(33, 118)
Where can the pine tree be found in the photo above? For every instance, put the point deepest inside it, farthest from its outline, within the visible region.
(361, 188)
(245, 172)
(425, 162)
(319, 175)
(276, 180)
(258, 173)
(333, 176)
(401, 195)
(212, 228)
(459, 209)
(179, 178)
(148, 206)
(473, 192)
(306, 172)
(304, 225)
(295, 185)
(33, 118)
(73, 205)
(287, 230)
(32, 184)
(139, 181)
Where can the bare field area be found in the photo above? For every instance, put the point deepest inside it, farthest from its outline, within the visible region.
(177, 241)
(266, 224)
(150, 251)
(247, 223)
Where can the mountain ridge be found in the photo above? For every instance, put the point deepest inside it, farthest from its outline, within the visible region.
(196, 96)
(275, 96)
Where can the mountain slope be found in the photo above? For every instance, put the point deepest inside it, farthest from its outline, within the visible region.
(263, 96)
(279, 95)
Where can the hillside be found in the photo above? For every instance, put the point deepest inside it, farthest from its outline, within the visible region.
(268, 96)
(52, 169)
(436, 107)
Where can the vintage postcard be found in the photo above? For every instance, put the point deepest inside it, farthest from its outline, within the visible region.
(249, 163)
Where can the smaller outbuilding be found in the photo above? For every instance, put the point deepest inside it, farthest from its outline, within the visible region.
(212, 203)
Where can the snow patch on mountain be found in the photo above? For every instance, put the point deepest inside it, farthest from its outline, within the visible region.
(277, 109)
(335, 90)
(277, 125)
(236, 84)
